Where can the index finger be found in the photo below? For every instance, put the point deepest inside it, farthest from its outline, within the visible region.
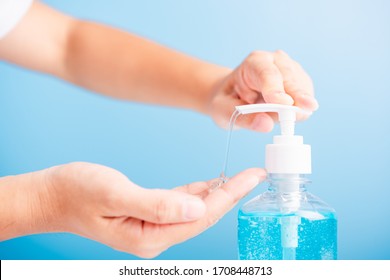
(297, 82)
(259, 73)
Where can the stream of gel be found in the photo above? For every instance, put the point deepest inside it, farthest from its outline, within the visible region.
(232, 121)
(223, 177)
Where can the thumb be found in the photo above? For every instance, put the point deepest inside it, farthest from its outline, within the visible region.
(164, 206)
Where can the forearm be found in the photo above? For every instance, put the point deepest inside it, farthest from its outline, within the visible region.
(126, 66)
(25, 206)
(109, 61)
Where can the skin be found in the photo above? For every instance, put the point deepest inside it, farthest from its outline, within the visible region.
(101, 203)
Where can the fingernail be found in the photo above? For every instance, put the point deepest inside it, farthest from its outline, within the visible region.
(257, 178)
(311, 102)
(253, 181)
(194, 209)
(261, 174)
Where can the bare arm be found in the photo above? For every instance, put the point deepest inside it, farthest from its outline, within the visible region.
(123, 65)
(109, 61)
(25, 206)
(100, 203)
(126, 66)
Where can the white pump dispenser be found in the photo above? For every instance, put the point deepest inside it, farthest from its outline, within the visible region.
(307, 225)
(286, 158)
(288, 154)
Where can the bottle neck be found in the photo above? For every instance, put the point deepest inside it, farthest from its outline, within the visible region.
(287, 183)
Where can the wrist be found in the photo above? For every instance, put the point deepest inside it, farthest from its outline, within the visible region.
(212, 77)
(27, 205)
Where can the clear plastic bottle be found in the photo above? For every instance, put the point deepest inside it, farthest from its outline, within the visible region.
(285, 224)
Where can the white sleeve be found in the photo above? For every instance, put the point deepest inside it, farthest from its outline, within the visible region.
(11, 12)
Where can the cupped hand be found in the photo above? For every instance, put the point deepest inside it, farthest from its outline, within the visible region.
(263, 77)
(101, 203)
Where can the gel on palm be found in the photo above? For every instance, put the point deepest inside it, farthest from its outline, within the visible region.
(286, 222)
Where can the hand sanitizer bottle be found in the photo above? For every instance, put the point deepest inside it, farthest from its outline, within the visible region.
(286, 222)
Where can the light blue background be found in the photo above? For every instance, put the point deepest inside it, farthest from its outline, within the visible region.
(344, 45)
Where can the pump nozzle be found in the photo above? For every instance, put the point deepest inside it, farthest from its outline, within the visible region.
(287, 114)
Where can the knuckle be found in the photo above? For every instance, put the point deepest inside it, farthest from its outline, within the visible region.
(292, 86)
(256, 54)
(268, 72)
(255, 58)
(187, 188)
(161, 211)
(79, 167)
(280, 53)
(288, 69)
(261, 64)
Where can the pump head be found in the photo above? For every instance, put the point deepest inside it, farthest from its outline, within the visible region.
(288, 154)
(287, 114)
